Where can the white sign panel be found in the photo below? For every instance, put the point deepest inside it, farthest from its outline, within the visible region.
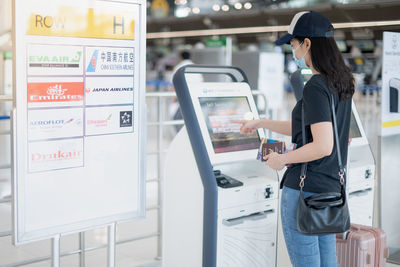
(55, 92)
(109, 120)
(391, 84)
(104, 91)
(55, 155)
(79, 117)
(55, 60)
(55, 123)
(110, 61)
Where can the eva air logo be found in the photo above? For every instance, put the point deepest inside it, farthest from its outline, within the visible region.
(93, 62)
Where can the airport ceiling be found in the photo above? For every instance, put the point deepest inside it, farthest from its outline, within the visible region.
(266, 13)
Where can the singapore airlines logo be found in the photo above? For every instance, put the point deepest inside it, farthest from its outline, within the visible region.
(93, 62)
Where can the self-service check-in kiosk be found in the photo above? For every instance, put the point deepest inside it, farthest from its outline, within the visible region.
(361, 173)
(220, 203)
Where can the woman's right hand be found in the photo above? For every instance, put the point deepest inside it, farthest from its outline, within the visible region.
(248, 126)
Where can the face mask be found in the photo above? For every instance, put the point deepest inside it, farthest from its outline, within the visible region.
(301, 63)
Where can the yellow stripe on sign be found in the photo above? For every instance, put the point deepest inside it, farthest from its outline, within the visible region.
(388, 124)
(86, 23)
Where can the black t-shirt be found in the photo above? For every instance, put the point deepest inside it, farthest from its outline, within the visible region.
(322, 174)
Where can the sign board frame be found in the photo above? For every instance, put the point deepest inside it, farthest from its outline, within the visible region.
(102, 181)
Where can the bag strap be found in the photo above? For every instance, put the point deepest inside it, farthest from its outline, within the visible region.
(336, 137)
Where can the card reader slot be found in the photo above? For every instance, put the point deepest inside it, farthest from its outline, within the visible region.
(254, 217)
(360, 192)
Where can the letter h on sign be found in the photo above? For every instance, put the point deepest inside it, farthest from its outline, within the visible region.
(122, 25)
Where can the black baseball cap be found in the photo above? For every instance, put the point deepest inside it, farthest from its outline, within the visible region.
(307, 24)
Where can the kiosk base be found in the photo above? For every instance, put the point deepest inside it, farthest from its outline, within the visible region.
(247, 214)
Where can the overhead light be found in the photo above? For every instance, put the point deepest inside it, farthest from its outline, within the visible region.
(180, 2)
(225, 8)
(238, 5)
(248, 5)
(196, 10)
(182, 12)
(216, 8)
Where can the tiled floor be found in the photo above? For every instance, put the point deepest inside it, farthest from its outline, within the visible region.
(143, 252)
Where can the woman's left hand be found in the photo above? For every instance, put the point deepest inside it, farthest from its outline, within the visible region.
(275, 161)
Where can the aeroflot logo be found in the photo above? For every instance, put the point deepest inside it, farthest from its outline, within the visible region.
(56, 156)
(53, 123)
(55, 92)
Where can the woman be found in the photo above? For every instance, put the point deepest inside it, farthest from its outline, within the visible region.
(311, 37)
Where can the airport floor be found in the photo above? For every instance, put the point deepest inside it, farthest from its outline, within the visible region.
(143, 252)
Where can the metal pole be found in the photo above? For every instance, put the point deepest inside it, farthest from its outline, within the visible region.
(82, 249)
(228, 51)
(55, 255)
(111, 245)
(160, 176)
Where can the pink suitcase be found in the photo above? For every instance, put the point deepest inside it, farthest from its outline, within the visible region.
(364, 246)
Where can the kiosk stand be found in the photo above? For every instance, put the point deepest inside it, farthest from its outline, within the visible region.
(361, 173)
(220, 203)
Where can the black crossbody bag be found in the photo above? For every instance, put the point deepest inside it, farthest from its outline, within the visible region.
(324, 213)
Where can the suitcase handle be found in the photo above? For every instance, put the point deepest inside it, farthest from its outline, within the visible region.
(355, 227)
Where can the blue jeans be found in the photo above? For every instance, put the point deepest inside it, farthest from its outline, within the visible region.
(304, 250)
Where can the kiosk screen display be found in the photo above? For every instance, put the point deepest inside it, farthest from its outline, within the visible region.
(354, 130)
(219, 114)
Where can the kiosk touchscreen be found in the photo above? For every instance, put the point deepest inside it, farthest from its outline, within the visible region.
(239, 228)
(219, 107)
(220, 114)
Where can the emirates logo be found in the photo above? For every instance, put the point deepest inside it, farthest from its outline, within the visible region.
(56, 90)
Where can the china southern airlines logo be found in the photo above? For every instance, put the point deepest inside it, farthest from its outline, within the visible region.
(93, 62)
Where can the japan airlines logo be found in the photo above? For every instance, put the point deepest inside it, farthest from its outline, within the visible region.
(93, 62)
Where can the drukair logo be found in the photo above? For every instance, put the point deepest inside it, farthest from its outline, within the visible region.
(59, 155)
(93, 62)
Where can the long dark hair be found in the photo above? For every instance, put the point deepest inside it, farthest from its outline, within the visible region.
(328, 61)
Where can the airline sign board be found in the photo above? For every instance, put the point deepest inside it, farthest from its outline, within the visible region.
(78, 116)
